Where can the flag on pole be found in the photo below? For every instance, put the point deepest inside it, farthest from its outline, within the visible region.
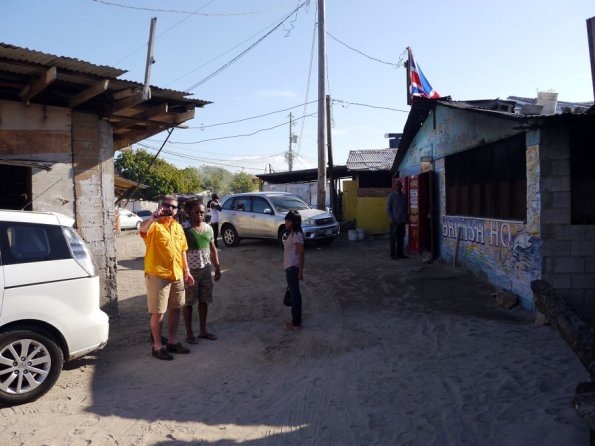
(419, 85)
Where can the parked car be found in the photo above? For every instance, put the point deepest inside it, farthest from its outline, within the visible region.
(144, 214)
(49, 302)
(129, 220)
(262, 215)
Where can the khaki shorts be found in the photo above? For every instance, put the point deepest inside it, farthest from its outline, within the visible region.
(202, 290)
(163, 294)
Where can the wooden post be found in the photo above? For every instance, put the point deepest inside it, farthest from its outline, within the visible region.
(321, 192)
(331, 176)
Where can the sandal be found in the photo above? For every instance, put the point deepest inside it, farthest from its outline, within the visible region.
(209, 336)
(192, 340)
(161, 354)
(177, 348)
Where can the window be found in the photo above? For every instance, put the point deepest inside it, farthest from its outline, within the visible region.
(243, 204)
(488, 181)
(582, 180)
(259, 204)
(285, 203)
(229, 204)
(23, 243)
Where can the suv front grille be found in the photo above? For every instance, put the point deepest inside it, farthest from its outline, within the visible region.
(324, 221)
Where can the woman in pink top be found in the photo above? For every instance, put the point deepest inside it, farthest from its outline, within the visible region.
(293, 264)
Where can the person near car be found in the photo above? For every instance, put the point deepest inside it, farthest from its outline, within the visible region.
(166, 271)
(293, 264)
(202, 259)
(215, 207)
(396, 208)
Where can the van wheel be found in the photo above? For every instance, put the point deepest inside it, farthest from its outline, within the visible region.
(282, 236)
(230, 236)
(30, 364)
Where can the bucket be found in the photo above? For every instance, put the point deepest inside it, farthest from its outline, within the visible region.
(351, 235)
(360, 234)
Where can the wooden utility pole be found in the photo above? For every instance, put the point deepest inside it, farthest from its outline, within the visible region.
(290, 153)
(591, 37)
(150, 61)
(321, 195)
(331, 176)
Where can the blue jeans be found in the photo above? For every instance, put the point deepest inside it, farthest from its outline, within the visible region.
(293, 283)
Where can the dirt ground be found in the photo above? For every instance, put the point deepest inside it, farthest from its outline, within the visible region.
(391, 353)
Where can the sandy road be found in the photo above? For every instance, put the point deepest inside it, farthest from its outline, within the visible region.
(392, 353)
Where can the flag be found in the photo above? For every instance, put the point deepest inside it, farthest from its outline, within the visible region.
(419, 85)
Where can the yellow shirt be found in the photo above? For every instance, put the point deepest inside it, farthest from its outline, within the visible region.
(165, 242)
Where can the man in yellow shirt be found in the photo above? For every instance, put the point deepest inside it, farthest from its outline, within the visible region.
(166, 270)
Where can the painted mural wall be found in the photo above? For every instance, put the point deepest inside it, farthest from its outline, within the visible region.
(505, 253)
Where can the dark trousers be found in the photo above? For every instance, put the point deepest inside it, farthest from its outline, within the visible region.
(397, 234)
(215, 227)
(293, 283)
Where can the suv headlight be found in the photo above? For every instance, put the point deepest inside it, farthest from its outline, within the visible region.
(308, 222)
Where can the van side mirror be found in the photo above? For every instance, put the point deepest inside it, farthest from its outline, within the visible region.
(267, 211)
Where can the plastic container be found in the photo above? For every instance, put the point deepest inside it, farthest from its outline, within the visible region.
(361, 234)
(351, 235)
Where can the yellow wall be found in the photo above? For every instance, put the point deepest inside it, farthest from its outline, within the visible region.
(349, 200)
(371, 215)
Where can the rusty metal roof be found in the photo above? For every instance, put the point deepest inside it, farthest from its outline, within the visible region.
(371, 160)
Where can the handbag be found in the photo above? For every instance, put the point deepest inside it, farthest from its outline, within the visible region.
(287, 298)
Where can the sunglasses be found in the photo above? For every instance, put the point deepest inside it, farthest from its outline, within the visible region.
(169, 205)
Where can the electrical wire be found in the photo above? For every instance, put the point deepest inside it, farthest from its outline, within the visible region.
(176, 11)
(394, 65)
(346, 104)
(243, 53)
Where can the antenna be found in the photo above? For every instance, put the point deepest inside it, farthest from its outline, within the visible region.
(150, 61)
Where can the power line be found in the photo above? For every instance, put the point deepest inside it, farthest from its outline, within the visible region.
(176, 11)
(346, 104)
(394, 65)
(243, 53)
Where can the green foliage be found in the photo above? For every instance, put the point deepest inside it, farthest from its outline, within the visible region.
(163, 178)
(215, 179)
(242, 182)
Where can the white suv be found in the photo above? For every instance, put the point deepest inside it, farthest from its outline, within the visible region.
(49, 302)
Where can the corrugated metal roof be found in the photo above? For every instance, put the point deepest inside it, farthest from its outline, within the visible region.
(67, 63)
(371, 160)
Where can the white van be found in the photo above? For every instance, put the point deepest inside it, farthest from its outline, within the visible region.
(49, 302)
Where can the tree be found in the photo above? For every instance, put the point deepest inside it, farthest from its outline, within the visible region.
(242, 182)
(215, 179)
(162, 179)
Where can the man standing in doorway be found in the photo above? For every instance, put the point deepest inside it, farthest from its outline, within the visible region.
(396, 208)
(166, 270)
(215, 207)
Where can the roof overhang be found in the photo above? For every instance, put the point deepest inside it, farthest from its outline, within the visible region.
(46, 79)
(302, 176)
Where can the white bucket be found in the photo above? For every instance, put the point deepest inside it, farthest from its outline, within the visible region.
(361, 234)
(351, 235)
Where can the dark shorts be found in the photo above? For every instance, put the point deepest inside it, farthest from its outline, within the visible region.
(202, 290)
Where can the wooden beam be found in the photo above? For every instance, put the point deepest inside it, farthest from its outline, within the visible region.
(125, 103)
(89, 93)
(144, 117)
(134, 136)
(125, 93)
(157, 110)
(183, 117)
(31, 90)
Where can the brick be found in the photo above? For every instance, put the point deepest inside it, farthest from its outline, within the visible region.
(569, 265)
(583, 281)
(547, 231)
(582, 248)
(547, 265)
(558, 216)
(560, 200)
(574, 298)
(547, 200)
(561, 167)
(558, 280)
(556, 248)
(555, 184)
(569, 232)
(590, 264)
(546, 168)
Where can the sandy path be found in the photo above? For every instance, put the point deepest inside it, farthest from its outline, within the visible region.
(392, 353)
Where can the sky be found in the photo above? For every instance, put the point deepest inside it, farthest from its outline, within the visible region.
(466, 49)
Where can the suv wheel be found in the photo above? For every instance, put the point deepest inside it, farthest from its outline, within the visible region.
(30, 364)
(230, 236)
(282, 236)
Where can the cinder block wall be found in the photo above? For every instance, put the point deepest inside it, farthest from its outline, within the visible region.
(568, 250)
(93, 165)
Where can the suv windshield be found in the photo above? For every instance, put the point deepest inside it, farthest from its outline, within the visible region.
(285, 203)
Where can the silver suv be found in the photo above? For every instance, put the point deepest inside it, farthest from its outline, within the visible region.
(262, 215)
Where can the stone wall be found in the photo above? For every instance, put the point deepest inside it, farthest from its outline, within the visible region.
(568, 250)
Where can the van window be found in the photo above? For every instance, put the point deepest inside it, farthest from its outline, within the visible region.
(23, 243)
(228, 205)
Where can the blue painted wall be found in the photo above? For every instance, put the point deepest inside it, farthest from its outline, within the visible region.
(506, 253)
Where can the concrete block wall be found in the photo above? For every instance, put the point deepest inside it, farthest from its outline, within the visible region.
(93, 162)
(568, 250)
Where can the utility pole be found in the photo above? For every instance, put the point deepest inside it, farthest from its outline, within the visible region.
(591, 37)
(150, 61)
(331, 176)
(321, 195)
(290, 153)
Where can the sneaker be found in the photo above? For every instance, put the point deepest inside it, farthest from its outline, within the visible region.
(177, 348)
(161, 354)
